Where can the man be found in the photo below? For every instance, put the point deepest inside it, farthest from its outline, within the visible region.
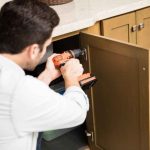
(27, 104)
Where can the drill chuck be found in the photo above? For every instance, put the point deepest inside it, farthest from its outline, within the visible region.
(78, 52)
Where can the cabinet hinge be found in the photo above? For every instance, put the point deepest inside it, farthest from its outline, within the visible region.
(90, 135)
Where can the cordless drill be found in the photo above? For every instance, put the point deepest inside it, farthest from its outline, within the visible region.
(86, 80)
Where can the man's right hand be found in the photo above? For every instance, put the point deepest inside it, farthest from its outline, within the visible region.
(71, 72)
(50, 73)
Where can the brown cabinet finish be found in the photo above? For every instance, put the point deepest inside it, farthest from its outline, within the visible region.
(95, 29)
(118, 118)
(119, 111)
(132, 27)
(143, 22)
(120, 28)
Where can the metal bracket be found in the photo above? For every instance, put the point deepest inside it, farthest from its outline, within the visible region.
(90, 134)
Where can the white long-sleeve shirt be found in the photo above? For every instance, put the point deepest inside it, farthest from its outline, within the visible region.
(28, 106)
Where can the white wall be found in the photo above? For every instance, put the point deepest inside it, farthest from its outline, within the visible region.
(2, 2)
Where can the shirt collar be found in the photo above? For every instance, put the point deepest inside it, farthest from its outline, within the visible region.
(11, 64)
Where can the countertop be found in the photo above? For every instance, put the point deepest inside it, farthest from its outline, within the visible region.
(80, 14)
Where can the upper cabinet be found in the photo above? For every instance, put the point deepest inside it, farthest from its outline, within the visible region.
(133, 27)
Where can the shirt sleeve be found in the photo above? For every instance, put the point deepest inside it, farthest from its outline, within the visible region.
(36, 107)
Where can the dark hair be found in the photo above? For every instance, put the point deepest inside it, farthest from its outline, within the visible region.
(25, 22)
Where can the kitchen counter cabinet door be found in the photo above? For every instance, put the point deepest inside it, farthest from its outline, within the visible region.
(120, 27)
(143, 22)
(120, 98)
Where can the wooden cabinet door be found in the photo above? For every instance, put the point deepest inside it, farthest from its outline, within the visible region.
(119, 100)
(143, 22)
(120, 28)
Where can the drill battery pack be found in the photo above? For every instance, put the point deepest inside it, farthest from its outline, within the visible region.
(87, 81)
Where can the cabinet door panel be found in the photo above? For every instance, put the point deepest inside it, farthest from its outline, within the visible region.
(143, 34)
(119, 100)
(120, 28)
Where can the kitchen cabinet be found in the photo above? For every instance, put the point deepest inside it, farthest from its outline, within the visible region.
(95, 29)
(143, 22)
(119, 110)
(133, 27)
(118, 118)
(120, 28)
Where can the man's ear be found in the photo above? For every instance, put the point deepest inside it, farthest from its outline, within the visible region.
(33, 51)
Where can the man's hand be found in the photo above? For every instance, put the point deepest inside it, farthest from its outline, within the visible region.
(71, 72)
(50, 73)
